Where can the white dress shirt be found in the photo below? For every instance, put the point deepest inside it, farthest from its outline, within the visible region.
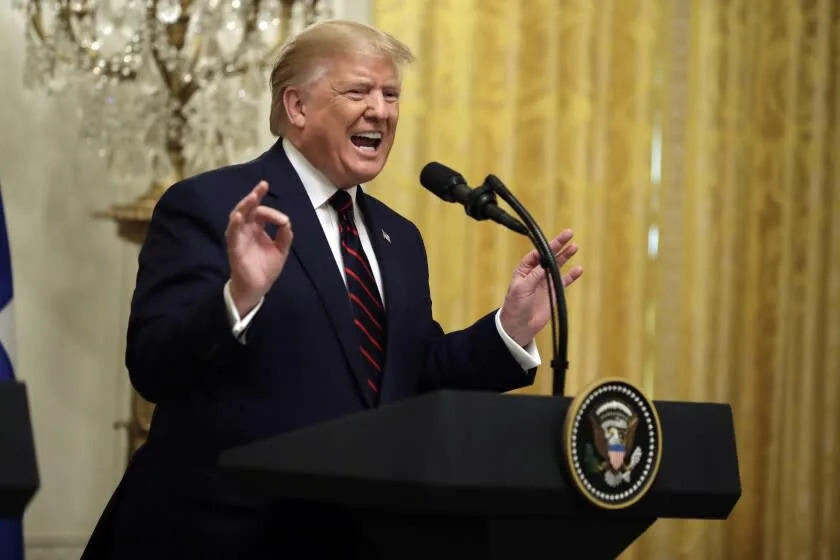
(320, 189)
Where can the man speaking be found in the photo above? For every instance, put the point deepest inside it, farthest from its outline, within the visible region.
(276, 294)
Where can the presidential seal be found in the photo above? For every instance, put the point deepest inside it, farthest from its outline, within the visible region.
(612, 443)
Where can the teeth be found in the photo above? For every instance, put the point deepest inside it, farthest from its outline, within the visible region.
(371, 135)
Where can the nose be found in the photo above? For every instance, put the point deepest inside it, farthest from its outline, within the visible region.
(377, 106)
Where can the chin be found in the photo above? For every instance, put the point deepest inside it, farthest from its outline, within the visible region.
(366, 172)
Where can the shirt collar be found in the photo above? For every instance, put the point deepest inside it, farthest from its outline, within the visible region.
(318, 188)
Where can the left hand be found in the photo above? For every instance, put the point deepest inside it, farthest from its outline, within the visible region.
(526, 308)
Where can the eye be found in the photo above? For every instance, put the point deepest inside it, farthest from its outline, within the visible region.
(392, 95)
(355, 93)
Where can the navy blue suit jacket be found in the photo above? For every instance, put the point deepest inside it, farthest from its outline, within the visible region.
(298, 367)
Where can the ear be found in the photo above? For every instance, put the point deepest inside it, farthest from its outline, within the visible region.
(294, 106)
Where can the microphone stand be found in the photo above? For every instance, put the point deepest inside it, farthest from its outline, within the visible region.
(557, 301)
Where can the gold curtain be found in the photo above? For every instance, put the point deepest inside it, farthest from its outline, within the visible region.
(694, 147)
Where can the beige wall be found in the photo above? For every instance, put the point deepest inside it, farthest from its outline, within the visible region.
(72, 278)
(73, 281)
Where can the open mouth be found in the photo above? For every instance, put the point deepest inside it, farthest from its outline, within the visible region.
(367, 141)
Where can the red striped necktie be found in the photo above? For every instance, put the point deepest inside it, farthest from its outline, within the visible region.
(368, 311)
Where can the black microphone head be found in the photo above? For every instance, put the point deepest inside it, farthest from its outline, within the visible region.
(441, 180)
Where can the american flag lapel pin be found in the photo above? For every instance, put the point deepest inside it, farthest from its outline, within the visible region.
(386, 236)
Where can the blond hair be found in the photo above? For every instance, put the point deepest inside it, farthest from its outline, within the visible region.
(303, 59)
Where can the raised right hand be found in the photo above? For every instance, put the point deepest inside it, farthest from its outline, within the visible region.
(255, 259)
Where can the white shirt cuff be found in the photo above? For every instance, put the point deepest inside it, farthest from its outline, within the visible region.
(528, 357)
(239, 326)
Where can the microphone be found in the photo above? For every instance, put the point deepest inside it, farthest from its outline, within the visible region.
(479, 203)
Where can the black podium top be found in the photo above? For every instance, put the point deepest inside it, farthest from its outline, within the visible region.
(482, 453)
(18, 470)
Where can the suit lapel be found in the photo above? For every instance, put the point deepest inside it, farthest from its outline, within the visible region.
(310, 247)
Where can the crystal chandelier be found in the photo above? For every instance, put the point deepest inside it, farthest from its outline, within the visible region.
(167, 88)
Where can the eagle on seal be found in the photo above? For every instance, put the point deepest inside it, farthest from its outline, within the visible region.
(611, 441)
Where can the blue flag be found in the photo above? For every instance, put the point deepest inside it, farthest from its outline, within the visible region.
(11, 530)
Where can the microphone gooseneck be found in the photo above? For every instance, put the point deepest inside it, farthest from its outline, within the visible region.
(480, 204)
(556, 293)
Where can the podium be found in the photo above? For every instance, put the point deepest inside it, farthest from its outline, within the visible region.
(474, 475)
(18, 469)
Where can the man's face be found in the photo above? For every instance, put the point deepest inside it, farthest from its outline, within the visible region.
(349, 118)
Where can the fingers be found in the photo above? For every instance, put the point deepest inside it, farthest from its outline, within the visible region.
(283, 237)
(560, 241)
(565, 254)
(562, 253)
(536, 281)
(573, 275)
(264, 215)
(244, 209)
(252, 200)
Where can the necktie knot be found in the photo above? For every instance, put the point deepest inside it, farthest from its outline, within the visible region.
(343, 204)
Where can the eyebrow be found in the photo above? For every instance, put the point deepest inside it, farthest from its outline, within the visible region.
(364, 82)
